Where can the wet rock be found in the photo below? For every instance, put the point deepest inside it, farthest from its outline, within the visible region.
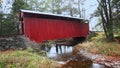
(107, 60)
(60, 62)
(108, 64)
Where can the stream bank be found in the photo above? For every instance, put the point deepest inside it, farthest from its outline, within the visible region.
(109, 61)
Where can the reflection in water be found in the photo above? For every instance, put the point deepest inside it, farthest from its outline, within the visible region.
(57, 51)
(64, 54)
(97, 66)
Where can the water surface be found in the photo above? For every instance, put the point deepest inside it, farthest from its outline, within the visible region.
(63, 54)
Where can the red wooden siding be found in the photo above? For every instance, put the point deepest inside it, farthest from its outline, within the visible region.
(41, 29)
(47, 29)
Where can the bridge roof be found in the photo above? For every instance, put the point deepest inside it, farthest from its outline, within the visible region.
(50, 14)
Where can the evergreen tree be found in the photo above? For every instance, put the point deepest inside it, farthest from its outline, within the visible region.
(17, 5)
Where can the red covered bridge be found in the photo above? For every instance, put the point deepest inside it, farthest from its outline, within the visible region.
(40, 26)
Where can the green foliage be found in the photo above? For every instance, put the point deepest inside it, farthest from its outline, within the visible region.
(116, 6)
(1, 64)
(97, 36)
(56, 6)
(17, 5)
(46, 6)
(9, 23)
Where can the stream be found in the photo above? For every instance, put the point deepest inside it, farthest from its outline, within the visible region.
(63, 54)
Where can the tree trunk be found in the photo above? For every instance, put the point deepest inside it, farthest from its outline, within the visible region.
(106, 15)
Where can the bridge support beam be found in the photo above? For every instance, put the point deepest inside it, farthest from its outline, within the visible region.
(78, 40)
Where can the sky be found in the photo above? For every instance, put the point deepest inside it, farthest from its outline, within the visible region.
(90, 7)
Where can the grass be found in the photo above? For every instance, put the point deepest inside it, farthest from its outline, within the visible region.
(107, 48)
(103, 47)
(1, 64)
(24, 59)
(99, 45)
